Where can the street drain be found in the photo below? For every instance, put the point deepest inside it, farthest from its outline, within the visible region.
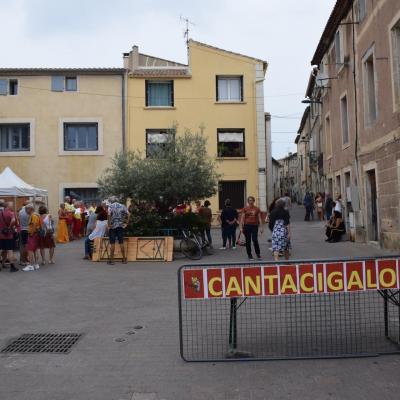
(43, 343)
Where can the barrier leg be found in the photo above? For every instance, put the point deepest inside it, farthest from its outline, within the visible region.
(233, 325)
(385, 308)
(233, 351)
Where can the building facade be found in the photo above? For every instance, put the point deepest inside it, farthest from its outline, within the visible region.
(59, 128)
(289, 176)
(219, 93)
(358, 76)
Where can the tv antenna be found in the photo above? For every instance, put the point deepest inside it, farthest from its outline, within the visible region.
(187, 30)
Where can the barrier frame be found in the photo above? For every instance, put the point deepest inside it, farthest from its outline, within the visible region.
(388, 295)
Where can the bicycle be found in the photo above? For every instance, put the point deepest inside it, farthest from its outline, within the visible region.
(192, 246)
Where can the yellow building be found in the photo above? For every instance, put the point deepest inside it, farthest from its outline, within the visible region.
(220, 93)
(59, 128)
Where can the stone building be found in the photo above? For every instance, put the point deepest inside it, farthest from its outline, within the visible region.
(358, 85)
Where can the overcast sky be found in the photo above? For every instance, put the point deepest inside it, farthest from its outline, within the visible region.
(95, 33)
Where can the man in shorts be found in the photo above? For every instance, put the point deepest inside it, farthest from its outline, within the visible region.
(7, 240)
(23, 218)
(118, 218)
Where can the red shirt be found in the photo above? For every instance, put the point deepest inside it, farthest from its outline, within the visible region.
(251, 215)
(6, 216)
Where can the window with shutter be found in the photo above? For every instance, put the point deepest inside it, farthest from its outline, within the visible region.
(395, 42)
(230, 143)
(158, 142)
(3, 87)
(57, 83)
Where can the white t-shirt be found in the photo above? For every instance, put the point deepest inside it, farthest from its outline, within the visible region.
(99, 230)
(338, 206)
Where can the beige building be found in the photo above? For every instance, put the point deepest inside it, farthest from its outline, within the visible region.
(358, 83)
(59, 128)
(218, 92)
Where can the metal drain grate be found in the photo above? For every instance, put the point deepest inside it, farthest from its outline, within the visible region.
(43, 343)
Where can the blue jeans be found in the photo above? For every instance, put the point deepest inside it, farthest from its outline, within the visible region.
(88, 247)
(229, 233)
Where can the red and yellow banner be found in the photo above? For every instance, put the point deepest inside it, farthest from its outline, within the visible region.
(276, 280)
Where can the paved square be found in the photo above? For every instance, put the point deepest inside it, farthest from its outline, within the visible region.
(116, 360)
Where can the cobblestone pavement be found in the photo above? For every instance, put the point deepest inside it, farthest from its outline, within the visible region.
(130, 347)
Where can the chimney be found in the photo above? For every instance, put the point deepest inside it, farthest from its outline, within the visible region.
(131, 59)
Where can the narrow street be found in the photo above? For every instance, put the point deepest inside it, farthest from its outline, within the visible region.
(128, 315)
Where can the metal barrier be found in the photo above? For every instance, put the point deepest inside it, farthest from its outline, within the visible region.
(287, 310)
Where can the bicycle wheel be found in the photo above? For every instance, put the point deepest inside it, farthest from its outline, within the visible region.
(190, 249)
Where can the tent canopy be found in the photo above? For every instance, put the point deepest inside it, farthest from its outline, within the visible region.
(12, 185)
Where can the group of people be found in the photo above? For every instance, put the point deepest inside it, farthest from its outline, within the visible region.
(329, 209)
(73, 219)
(323, 204)
(34, 232)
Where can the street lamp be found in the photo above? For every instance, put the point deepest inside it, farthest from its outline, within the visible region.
(311, 101)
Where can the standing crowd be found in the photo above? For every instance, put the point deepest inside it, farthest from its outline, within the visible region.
(27, 231)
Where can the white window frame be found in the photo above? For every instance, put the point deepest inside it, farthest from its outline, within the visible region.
(31, 151)
(79, 185)
(344, 144)
(65, 83)
(395, 78)
(98, 152)
(230, 78)
(368, 121)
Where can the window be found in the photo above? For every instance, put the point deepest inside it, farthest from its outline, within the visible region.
(159, 93)
(80, 136)
(8, 86)
(395, 33)
(362, 9)
(14, 137)
(87, 195)
(339, 47)
(230, 142)
(70, 84)
(369, 90)
(61, 83)
(230, 88)
(158, 142)
(345, 121)
(328, 138)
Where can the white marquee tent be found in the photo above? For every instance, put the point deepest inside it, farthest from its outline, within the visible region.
(11, 185)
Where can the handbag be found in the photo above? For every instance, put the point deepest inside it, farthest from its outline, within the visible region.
(240, 242)
(7, 229)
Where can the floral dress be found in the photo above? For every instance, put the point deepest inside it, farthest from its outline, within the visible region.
(280, 240)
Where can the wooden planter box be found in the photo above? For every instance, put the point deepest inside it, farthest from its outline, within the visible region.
(136, 248)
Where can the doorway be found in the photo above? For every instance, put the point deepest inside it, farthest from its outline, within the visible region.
(372, 209)
(233, 190)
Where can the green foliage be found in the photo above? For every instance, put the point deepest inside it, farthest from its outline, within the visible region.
(180, 169)
(144, 221)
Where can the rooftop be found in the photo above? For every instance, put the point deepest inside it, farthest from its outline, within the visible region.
(340, 10)
(61, 71)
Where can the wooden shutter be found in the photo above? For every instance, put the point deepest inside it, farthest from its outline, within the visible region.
(57, 83)
(3, 87)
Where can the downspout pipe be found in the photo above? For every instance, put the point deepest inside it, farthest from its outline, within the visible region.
(123, 102)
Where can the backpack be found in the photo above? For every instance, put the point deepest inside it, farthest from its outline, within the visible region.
(44, 228)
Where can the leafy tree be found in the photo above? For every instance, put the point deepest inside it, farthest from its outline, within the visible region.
(177, 170)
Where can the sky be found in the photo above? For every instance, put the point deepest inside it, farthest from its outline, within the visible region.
(95, 33)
